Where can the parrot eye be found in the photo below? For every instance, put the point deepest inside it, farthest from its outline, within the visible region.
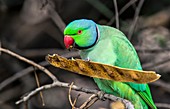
(79, 31)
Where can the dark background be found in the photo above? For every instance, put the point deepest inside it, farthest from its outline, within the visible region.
(29, 29)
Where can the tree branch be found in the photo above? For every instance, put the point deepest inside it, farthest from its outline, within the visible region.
(90, 101)
(46, 71)
(77, 88)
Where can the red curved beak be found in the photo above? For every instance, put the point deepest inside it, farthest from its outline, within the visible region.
(68, 41)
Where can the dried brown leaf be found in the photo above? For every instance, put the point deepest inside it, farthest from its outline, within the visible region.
(103, 71)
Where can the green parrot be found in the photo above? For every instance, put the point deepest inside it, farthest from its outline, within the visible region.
(108, 45)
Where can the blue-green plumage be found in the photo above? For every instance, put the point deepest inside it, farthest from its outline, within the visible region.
(110, 46)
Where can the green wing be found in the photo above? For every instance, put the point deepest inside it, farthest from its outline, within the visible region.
(146, 96)
(128, 58)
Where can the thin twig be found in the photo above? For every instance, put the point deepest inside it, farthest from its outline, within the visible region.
(121, 11)
(76, 99)
(154, 50)
(46, 71)
(127, 6)
(85, 104)
(28, 70)
(92, 102)
(26, 105)
(19, 74)
(164, 85)
(163, 105)
(136, 16)
(74, 87)
(0, 47)
(116, 13)
(151, 65)
(38, 84)
(50, 8)
(69, 97)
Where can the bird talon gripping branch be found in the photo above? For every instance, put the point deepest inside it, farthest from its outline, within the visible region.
(88, 59)
(100, 95)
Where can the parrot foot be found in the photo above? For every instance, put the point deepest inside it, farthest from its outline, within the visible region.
(88, 59)
(100, 94)
(72, 58)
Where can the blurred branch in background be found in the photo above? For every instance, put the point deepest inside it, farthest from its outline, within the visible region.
(163, 105)
(101, 8)
(116, 14)
(135, 19)
(35, 53)
(50, 8)
(46, 71)
(154, 50)
(39, 11)
(33, 10)
(152, 65)
(160, 18)
(121, 11)
(164, 85)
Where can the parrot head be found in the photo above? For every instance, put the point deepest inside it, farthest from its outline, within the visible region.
(80, 34)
